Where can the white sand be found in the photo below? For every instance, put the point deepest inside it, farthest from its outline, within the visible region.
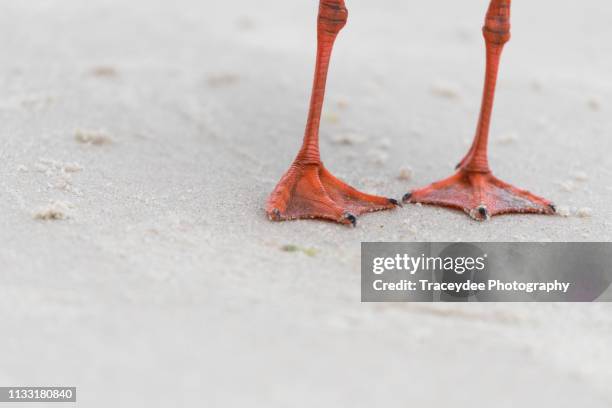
(168, 282)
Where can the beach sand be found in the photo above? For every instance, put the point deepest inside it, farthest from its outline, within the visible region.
(140, 140)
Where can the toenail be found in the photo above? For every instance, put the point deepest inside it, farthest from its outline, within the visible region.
(394, 202)
(480, 213)
(351, 218)
(407, 198)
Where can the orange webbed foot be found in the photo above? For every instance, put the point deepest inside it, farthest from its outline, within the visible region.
(481, 195)
(311, 191)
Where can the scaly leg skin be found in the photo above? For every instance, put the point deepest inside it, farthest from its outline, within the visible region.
(473, 188)
(308, 189)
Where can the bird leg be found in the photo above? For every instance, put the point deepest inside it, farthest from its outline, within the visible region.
(308, 189)
(473, 188)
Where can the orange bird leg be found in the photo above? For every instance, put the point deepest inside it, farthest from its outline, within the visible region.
(308, 189)
(473, 188)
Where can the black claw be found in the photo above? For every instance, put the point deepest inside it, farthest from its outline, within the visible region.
(407, 197)
(352, 219)
(480, 213)
(553, 207)
(277, 214)
(394, 202)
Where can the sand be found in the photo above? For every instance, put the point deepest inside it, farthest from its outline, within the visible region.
(166, 283)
